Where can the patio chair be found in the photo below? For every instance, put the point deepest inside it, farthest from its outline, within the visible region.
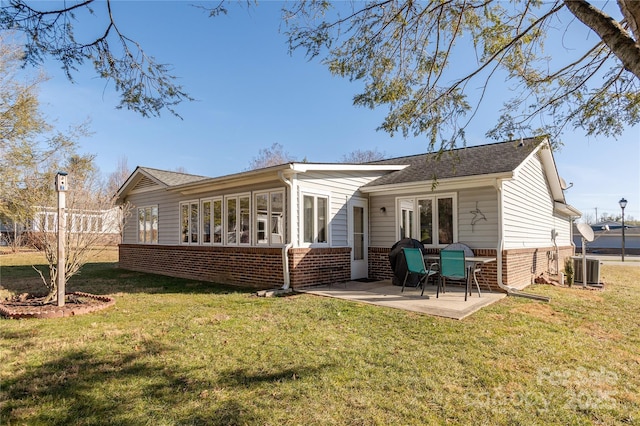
(415, 265)
(453, 266)
(471, 265)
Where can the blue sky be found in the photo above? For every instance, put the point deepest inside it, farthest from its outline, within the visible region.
(250, 93)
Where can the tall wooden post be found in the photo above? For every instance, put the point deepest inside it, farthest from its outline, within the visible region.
(61, 188)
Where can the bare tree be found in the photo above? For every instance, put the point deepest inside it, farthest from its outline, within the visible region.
(117, 178)
(92, 222)
(363, 156)
(271, 156)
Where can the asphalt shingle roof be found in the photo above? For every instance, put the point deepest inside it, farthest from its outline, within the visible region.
(469, 161)
(172, 178)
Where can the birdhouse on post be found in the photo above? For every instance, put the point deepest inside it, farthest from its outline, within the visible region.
(61, 182)
(61, 188)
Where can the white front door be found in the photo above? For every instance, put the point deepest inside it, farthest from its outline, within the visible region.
(359, 238)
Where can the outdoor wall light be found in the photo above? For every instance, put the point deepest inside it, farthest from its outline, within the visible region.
(383, 209)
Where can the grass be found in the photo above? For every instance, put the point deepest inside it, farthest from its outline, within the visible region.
(175, 351)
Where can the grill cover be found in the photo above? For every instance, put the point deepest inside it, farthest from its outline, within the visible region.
(399, 263)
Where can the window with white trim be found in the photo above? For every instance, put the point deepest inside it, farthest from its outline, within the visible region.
(434, 224)
(189, 222)
(315, 214)
(238, 219)
(269, 217)
(148, 225)
(211, 221)
(206, 221)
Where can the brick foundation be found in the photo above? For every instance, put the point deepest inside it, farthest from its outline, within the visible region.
(261, 268)
(255, 267)
(519, 267)
(319, 266)
(243, 266)
(379, 266)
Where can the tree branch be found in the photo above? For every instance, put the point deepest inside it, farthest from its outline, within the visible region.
(611, 33)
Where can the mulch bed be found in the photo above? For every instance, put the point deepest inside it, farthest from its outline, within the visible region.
(33, 306)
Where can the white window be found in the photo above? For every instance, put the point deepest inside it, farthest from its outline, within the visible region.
(189, 222)
(269, 218)
(206, 222)
(148, 225)
(434, 224)
(229, 220)
(315, 214)
(211, 212)
(238, 223)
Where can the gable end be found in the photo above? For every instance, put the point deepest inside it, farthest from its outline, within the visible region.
(145, 184)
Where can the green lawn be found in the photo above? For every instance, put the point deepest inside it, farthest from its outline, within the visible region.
(174, 351)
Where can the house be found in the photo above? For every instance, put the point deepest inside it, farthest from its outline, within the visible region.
(301, 224)
(103, 224)
(609, 241)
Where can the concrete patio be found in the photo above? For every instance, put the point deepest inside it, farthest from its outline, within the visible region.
(383, 293)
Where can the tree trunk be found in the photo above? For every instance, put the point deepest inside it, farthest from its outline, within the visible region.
(51, 296)
(610, 31)
(631, 11)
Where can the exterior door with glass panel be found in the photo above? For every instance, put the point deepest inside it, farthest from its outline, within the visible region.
(359, 238)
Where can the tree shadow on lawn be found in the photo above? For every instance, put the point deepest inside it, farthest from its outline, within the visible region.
(107, 278)
(130, 389)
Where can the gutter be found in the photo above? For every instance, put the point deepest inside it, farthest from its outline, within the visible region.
(285, 250)
(511, 291)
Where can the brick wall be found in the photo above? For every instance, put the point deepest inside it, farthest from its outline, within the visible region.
(319, 266)
(244, 266)
(519, 267)
(254, 267)
(379, 266)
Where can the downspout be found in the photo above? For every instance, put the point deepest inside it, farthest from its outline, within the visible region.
(286, 247)
(511, 291)
(554, 234)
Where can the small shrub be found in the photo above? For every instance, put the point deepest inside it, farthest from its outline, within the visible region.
(568, 270)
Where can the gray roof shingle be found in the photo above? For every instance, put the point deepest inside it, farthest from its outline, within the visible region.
(468, 161)
(172, 178)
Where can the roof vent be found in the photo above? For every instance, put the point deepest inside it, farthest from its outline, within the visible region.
(521, 142)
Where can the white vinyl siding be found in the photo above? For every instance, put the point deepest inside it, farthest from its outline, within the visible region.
(478, 217)
(168, 216)
(483, 233)
(563, 227)
(382, 226)
(528, 214)
(341, 187)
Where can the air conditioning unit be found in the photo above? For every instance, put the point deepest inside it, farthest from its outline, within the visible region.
(593, 270)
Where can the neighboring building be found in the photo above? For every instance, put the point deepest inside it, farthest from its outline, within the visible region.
(610, 241)
(303, 224)
(106, 223)
(9, 231)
